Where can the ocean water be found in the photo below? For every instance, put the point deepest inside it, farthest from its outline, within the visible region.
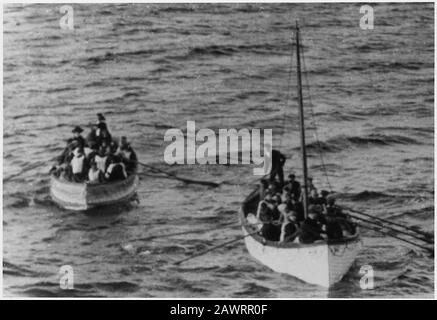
(152, 67)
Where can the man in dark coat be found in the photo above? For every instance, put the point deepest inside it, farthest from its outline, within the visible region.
(278, 161)
(310, 228)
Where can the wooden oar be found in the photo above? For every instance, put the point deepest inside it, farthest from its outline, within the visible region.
(430, 250)
(214, 248)
(426, 234)
(174, 176)
(229, 225)
(380, 224)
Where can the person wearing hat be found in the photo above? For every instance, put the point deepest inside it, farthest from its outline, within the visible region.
(310, 229)
(293, 186)
(77, 136)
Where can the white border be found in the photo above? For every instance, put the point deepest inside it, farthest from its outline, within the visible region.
(195, 1)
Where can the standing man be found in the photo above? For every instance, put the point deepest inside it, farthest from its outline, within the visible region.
(278, 161)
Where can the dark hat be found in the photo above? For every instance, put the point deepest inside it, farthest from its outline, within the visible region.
(314, 209)
(77, 129)
(100, 117)
(101, 126)
(330, 199)
(324, 193)
(291, 175)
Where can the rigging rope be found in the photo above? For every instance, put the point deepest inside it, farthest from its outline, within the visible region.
(314, 120)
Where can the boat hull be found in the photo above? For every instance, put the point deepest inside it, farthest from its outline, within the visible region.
(323, 263)
(84, 196)
(318, 264)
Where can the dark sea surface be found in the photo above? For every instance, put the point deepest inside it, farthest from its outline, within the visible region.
(149, 68)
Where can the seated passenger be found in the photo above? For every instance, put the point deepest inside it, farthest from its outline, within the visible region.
(293, 186)
(264, 185)
(67, 153)
(284, 209)
(273, 189)
(78, 167)
(91, 138)
(333, 228)
(272, 205)
(101, 159)
(264, 213)
(89, 153)
(94, 174)
(103, 135)
(128, 155)
(313, 197)
(310, 185)
(271, 231)
(289, 229)
(310, 228)
(323, 198)
(116, 170)
(113, 147)
(298, 208)
(77, 137)
(346, 224)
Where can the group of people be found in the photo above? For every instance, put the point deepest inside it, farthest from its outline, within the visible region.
(97, 158)
(280, 215)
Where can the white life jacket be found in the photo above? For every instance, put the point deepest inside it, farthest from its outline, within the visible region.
(77, 164)
(101, 162)
(93, 176)
(126, 154)
(87, 151)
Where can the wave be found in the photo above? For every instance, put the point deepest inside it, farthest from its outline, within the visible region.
(229, 50)
(110, 56)
(366, 195)
(340, 143)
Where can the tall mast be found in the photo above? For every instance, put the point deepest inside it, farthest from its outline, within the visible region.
(302, 126)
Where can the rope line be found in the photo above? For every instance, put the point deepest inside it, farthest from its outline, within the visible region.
(319, 149)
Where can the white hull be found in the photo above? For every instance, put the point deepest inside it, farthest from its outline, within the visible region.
(319, 264)
(84, 196)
